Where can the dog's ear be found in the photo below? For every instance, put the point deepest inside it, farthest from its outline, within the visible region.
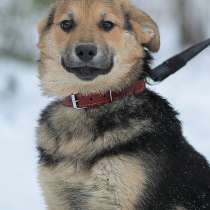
(146, 30)
(47, 22)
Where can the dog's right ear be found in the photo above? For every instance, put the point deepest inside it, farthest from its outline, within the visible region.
(47, 22)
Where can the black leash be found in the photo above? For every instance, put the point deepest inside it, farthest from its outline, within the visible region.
(175, 63)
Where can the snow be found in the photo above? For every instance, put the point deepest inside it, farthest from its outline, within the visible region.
(188, 91)
(19, 189)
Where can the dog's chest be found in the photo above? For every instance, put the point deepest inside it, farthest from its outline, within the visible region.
(112, 184)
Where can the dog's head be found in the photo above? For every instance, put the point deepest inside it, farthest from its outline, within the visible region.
(93, 46)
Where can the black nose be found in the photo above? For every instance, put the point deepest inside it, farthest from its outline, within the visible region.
(86, 52)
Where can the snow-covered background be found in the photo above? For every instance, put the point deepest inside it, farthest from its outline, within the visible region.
(21, 102)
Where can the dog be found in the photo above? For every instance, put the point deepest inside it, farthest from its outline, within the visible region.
(107, 142)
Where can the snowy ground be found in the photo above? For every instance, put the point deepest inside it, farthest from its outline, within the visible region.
(188, 91)
(18, 115)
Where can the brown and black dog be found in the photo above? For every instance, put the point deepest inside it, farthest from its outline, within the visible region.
(125, 155)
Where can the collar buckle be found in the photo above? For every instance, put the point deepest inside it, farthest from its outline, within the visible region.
(75, 102)
(110, 96)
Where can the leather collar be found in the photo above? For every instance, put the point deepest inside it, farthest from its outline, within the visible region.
(90, 101)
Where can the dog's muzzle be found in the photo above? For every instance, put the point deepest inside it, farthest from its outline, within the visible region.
(87, 61)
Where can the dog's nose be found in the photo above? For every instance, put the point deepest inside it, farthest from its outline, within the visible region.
(86, 52)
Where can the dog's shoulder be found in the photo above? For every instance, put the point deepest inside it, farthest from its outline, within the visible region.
(163, 116)
(179, 168)
(47, 112)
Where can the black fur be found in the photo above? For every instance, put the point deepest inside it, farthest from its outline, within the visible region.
(78, 197)
(110, 121)
(180, 176)
(47, 112)
(49, 160)
(127, 23)
(45, 118)
(147, 64)
(50, 19)
(177, 175)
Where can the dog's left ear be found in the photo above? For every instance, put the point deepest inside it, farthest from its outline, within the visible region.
(146, 30)
(47, 22)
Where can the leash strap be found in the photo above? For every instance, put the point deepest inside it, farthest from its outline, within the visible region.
(177, 62)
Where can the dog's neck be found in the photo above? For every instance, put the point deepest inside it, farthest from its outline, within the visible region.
(94, 100)
(79, 101)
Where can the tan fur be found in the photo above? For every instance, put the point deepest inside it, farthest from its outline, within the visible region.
(110, 177)
(128, 47)
(148, 34)
(81, 144)
(180, 208)
(114, 182)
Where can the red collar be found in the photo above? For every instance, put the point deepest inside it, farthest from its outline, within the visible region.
(93, 100)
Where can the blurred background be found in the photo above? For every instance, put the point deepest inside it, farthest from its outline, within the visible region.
(181, 22)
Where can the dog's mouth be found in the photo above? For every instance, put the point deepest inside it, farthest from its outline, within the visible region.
(86, 72)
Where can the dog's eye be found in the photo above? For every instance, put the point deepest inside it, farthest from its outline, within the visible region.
(67, 25)
(106, 25)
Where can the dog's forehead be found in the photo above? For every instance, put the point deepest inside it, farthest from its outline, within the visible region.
(88, 7)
